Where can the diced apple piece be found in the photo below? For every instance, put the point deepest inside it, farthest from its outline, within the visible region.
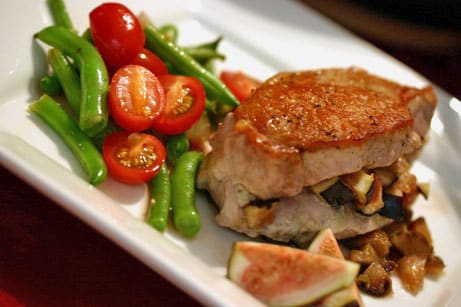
(424, 188)
(374, 200)
(386, 175)
(434, 266)
(378, 239)
(366, 255)
(324, 185)
(359, 183)
(411, 243)
(420, 226)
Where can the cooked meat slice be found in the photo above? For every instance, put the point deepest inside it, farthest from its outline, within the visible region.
(298, 129)
(295, 218)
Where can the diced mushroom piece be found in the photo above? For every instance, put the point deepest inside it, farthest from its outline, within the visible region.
(420, 226)
(366, 255)
(411, 243)
(378, 239)
(400, 166)
(375, 280)
(411, 271)
(434, 266)
(359, 183)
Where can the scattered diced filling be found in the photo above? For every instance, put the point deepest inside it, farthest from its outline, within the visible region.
(403, 248)
(387, 191)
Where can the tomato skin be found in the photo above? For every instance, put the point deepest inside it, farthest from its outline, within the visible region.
(136, 98)
(117, 34)
(134, 145)
(240, 84)
(176, 118)
(151, 61)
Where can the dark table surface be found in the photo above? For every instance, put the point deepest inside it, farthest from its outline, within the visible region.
(49, 258)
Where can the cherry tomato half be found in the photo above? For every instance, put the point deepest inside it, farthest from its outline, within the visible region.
(184, 104)
(150, 61)
(117, 33)
(133, 157)
(136, 98)
(240, 84)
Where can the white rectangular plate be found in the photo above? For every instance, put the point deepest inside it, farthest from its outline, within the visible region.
(260, 38)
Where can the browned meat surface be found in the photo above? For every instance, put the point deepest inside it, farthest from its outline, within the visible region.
(298, 129)
(324, 108)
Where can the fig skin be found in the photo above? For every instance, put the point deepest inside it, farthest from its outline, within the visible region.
(286, 276)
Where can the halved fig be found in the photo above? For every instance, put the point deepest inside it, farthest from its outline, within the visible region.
(285, 276)
(325, 243)
(349, 296)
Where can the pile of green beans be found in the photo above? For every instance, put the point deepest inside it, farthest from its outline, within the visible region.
(80, 74)
(176, 146)
(93, 76)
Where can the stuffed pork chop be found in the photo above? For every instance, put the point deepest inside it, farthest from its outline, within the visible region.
(316, 149)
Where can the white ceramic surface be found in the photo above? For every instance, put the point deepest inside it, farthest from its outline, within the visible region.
(260, 38)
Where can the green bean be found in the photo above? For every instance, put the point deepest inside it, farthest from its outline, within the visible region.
(210, 66)
(59, 14)
(184, 64)
(87, 35)
(160, 193)
(68, 78)
(50, 85)
(185, 216)
(170, 32)
(93, 76)
(212, 45)
(98, 139)
(81, 146)
(176, 146)
(203, 55)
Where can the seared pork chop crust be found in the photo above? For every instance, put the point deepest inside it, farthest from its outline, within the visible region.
(331, 107)
(266, 149)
